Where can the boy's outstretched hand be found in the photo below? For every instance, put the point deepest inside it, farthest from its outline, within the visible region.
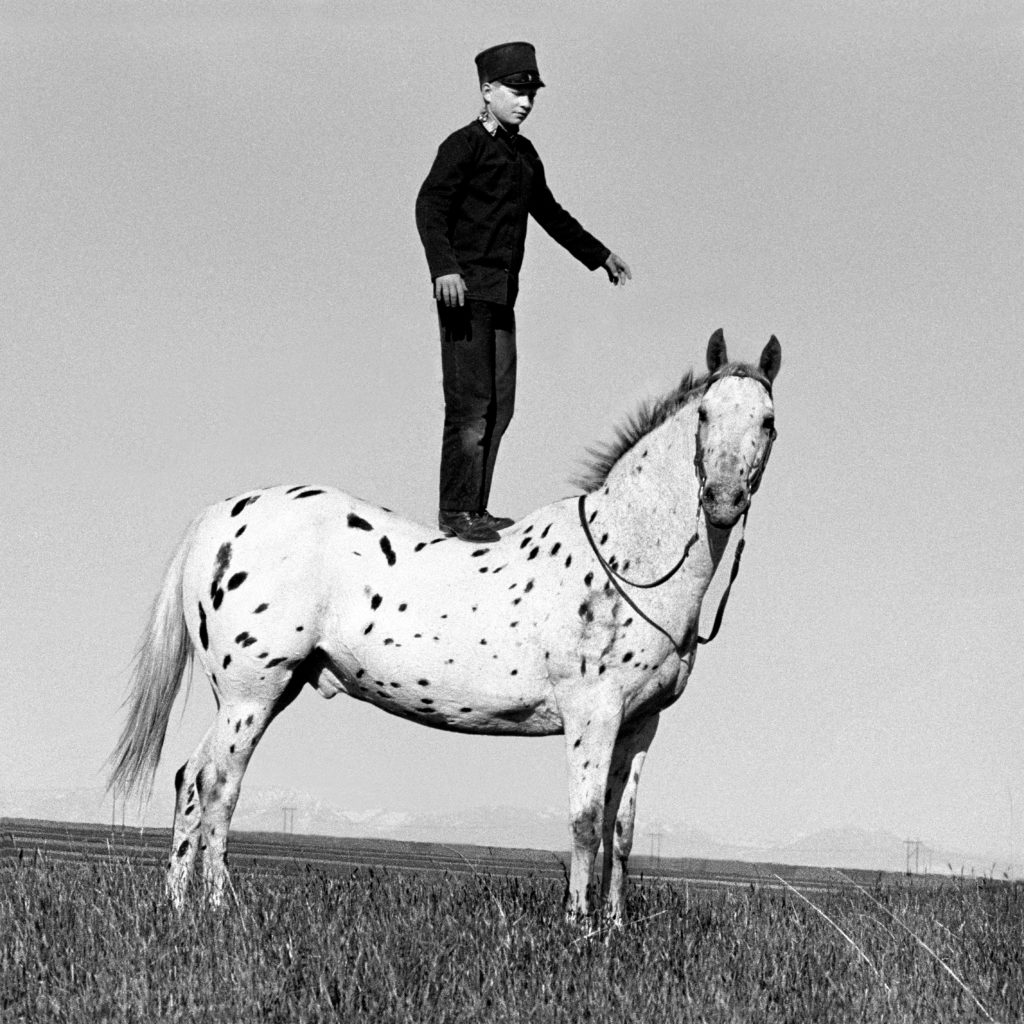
(617, 269)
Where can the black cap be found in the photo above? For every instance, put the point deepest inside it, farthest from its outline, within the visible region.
(512, 64)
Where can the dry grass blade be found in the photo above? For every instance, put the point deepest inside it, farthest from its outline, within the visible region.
(606, 930)
(818, 910)
(924, 945)
(507, 940)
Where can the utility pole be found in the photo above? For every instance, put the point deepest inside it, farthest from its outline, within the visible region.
(289, 819)
(916, 844)
(656, 838)
(1009, 793)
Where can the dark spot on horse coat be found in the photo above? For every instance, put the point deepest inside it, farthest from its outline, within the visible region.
(465, 711)
(389, 552)
(248, 721)
(366, 631)
(402, 607)
(422, 682)
(179, 778)
(204, 636)
(528, 587)
(628, 656)
(223, 561)
(577, 743)
(307, 494)
(357, 522)
(556, 547)
(375, 601)
(426, 700)
(183, 848)
(525, 541)
(588, 579)
(604, 538)
(478, 552)
(533, 554)
(275, 661)
(239, 505)
(243, 639)
(231, 749)
(237, 580)
(299, 629)
(545, 533)
(292, 490)
(240, 530)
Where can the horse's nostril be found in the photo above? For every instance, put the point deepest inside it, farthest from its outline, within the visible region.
(738, 498)
(710, 492)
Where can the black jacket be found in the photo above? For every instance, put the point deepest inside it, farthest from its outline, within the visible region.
(472, 208)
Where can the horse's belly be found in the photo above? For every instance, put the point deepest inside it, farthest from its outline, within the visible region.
(439, 695)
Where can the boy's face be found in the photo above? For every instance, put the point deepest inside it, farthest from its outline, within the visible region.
(509, 104)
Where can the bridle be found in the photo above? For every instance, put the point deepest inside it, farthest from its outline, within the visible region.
(614, 577)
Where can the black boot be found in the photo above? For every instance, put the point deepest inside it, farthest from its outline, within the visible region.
(468, 526)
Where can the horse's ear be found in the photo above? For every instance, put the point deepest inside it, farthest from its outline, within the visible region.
(771, 358)
(717, 356)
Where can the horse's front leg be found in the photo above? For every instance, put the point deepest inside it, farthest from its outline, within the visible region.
(590, 734)
(620, 811)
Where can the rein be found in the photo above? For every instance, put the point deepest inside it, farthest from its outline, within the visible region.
(614, 577)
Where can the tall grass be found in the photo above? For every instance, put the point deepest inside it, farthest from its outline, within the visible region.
(96, 942)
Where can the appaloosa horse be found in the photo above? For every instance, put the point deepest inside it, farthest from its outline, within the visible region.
(582, 619)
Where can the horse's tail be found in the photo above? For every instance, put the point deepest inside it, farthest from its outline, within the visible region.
(160, 663)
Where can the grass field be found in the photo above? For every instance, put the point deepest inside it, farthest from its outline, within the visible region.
(96, 942)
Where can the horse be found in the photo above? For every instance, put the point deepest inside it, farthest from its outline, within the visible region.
(569, 624)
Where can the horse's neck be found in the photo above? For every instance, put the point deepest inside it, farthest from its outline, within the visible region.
(649, 510)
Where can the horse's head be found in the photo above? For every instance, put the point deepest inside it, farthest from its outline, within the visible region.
(736, 427)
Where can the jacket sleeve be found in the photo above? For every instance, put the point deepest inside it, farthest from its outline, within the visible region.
(562, 226)
(437, 202)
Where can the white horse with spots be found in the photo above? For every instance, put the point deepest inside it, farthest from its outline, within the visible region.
(545, 632)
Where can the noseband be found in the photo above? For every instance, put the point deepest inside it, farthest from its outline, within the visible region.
(754, 482)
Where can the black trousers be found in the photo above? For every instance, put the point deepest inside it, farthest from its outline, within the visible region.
(478, 364)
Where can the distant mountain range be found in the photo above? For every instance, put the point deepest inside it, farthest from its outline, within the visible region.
(273, 810)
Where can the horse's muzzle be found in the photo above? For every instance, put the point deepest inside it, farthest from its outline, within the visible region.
(723, 504)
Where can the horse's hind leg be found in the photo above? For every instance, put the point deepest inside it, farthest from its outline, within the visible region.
(239, 727)
(187, 820)
(620, 812)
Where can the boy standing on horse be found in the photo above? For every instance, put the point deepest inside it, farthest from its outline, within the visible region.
(471, 213)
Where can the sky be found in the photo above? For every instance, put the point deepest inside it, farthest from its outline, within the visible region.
(212, 281)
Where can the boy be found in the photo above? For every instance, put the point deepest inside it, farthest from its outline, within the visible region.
(471, 213)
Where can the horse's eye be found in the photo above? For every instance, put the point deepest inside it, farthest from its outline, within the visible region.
(769, 423)
(702, 414)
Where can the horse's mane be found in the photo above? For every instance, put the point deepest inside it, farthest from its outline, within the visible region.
(649, 415)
